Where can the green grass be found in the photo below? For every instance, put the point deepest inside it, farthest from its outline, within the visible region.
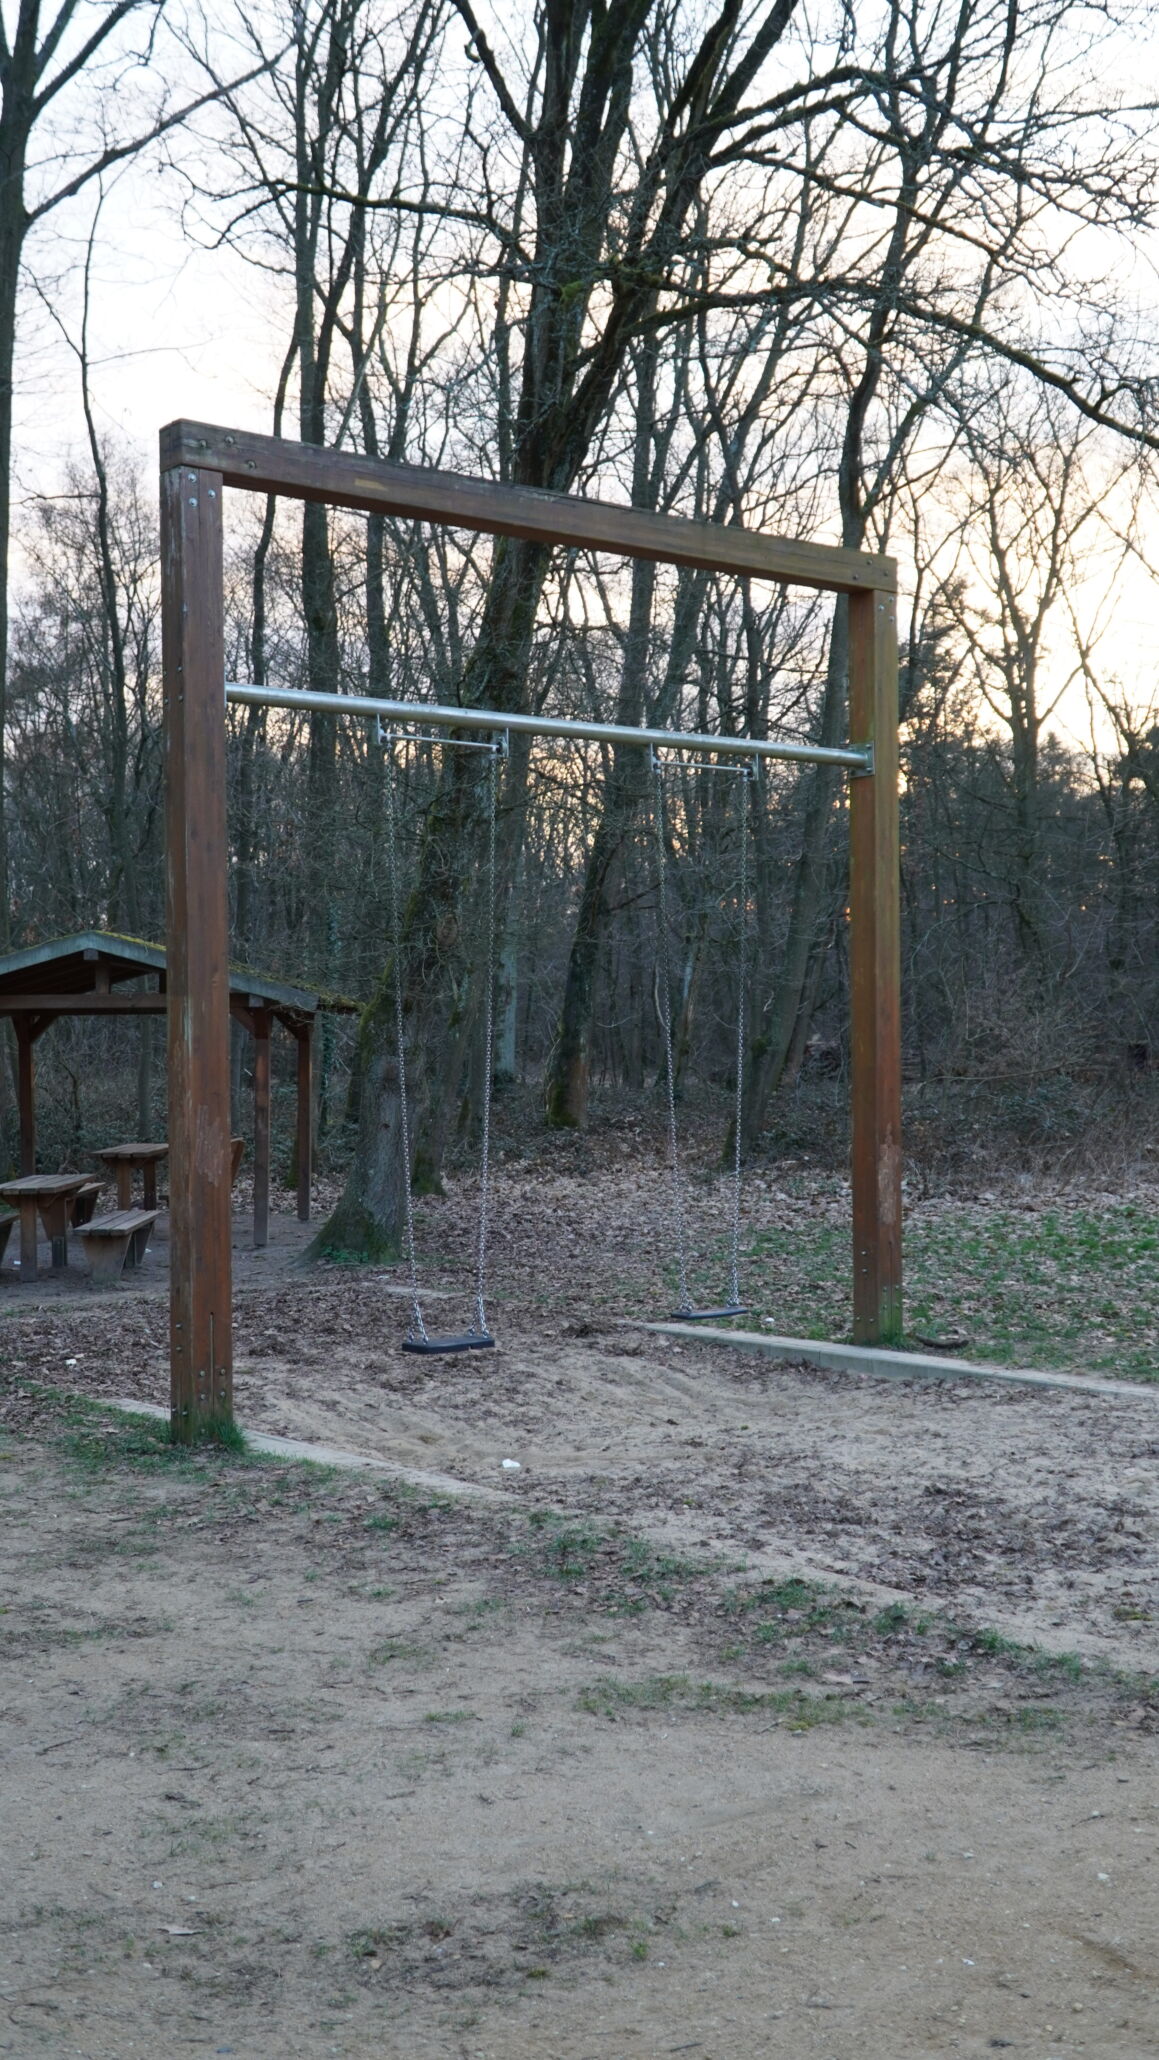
(1055, 1287)
(626, 1574)
(678, 1692)
(99, 1442)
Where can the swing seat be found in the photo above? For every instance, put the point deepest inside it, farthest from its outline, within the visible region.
(707, 1315)
(466, 1341)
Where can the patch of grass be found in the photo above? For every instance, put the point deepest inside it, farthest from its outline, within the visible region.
(678, 1692)
(565, 1552)
(452, 1717)
(398, 1648)
(1060, 1286)
(627, 1573)
(994, 1645)
(597, 1926)
(894, 1617)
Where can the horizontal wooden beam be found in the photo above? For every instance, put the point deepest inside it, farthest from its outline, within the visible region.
(308, 472)
(90, 1004)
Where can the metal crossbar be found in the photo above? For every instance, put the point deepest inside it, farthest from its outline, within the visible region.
(492, 719)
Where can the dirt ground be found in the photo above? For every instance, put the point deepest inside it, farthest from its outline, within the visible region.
(759, 1712)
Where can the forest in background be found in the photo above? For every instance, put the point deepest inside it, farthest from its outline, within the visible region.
(867, 281)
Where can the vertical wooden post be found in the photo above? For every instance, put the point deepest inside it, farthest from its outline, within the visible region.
(875, 973)
(201, 1354)
(261, 1022)
(305, 1136)
(26, 1097)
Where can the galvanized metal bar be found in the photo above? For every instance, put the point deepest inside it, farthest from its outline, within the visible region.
(244, 695)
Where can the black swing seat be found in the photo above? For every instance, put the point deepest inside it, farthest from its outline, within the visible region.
(707, 1315)
(466, 1341)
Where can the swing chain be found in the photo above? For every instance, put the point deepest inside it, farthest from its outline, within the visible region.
(666, 1019)
(750, 772)
(418, 1328)
(498, 751)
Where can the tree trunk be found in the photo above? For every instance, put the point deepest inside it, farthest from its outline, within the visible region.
(13, 228)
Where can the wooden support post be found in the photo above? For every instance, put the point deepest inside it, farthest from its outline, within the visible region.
(261, 1023)
(26, 1095)
(201, 1355)
(29, 1231)
(875, 974)
(305, 1135)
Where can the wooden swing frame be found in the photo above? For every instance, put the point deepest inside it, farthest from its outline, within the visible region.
(198, 461)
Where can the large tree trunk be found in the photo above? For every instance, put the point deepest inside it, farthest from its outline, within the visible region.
(13, 229)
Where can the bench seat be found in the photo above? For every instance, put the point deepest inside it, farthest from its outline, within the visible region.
(115, 1244)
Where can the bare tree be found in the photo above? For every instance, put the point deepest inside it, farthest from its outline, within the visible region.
(87, 78)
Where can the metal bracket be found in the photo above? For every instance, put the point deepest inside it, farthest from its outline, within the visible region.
(866, 771)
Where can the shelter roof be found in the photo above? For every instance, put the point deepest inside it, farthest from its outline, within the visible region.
(97, 961)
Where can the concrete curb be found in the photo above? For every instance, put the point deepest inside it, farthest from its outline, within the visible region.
(329, 1455)
(898, 1365)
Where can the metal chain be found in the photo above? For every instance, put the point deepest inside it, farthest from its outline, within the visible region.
(497, 751)
(666, 1022)
(418, 1328)
(742, 981)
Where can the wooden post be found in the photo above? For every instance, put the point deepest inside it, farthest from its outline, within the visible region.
(201, 1355)
(261, 1023)
(29, 1228)
(875, 973)
(305, 1137)
(26, 1096)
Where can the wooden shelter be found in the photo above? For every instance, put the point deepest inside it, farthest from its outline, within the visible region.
(97, 973)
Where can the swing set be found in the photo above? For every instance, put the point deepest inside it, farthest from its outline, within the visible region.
(198, 461)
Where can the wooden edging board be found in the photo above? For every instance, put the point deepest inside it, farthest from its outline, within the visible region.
(896, 1365)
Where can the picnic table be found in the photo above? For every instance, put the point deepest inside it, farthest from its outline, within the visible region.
(126, 1159)
(50, 1195)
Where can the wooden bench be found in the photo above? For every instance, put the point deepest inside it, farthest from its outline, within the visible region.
(6, 1223)
(116, 1244)
(84, 1202)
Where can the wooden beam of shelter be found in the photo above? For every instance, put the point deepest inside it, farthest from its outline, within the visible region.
(91, 1003)
(26, 1095)
(275, 465)
(304, 1139)
(261, 1023)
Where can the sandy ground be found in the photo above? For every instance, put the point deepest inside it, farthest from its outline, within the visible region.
(303, 1764)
